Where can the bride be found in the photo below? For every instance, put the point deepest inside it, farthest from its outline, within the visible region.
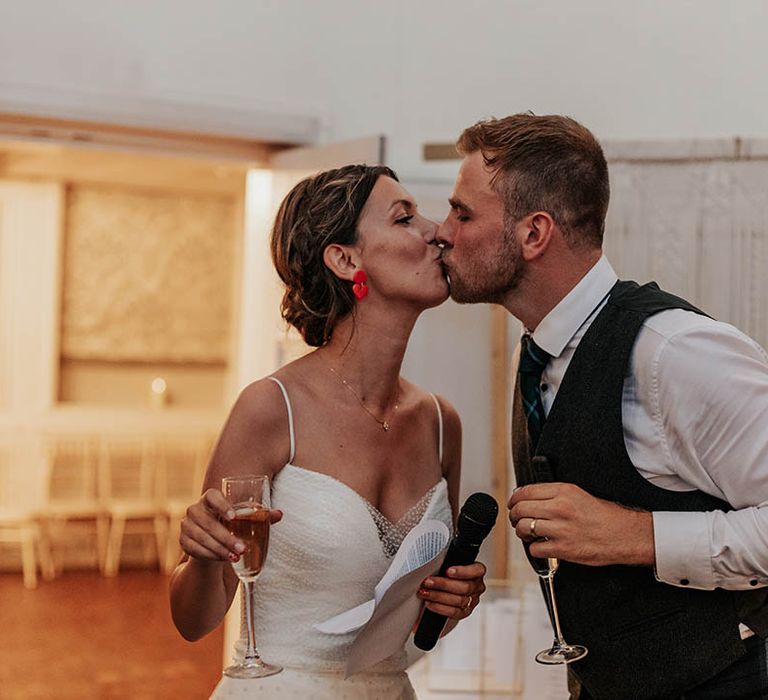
(357, 454)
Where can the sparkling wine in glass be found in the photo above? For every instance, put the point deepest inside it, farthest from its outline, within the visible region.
(561, 652)
(249, 497)
(251, 525)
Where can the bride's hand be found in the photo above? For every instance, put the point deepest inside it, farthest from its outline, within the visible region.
(457, 594)
(203, 532)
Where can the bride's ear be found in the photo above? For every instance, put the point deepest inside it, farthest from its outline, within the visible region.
(340, 260)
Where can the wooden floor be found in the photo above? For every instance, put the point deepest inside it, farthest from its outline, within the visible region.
(85, 637)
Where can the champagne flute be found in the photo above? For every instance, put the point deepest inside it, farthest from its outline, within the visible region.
(561, 652)
(250, 499)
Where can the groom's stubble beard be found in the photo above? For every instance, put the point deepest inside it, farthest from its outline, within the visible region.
(487, 279)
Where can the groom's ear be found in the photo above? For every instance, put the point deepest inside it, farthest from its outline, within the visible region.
(341, 260)
(538, 229)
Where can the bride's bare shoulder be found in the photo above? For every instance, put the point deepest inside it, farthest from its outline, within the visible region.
(424, 400)
(255, 437)
(260, 403)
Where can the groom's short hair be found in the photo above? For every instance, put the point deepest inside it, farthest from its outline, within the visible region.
(545, 163)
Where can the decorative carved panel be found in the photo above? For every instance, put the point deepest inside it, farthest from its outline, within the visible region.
(147, 275)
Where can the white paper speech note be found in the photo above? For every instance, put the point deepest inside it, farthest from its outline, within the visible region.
(388, 629)
(420, 546)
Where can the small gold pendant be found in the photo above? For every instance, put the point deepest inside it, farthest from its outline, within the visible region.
(385, 426)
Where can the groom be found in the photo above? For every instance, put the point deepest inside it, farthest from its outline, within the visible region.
(653, 418)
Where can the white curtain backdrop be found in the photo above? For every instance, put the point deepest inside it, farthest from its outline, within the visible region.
(700, 229)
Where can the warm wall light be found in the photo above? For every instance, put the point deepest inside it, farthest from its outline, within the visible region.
(260, 292)
(158, 393)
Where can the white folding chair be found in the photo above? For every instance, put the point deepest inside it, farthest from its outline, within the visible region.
(127, 469)
(73, 494)
(19, 524)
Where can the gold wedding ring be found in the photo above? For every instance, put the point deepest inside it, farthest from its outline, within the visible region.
(469, 604)
(533, 529)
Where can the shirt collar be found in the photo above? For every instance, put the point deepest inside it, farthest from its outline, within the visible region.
(562, 322)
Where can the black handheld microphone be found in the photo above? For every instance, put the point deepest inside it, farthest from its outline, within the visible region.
(476, 518)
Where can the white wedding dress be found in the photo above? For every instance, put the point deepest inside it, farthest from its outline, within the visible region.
(326, 556)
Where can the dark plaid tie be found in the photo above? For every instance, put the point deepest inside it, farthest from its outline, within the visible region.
(533, 360)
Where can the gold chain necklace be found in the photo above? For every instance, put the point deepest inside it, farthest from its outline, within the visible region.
(384, 423)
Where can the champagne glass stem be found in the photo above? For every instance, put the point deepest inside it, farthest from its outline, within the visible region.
(251, 654)
(559, 640)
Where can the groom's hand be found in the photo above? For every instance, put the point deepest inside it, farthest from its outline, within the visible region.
(565, 522)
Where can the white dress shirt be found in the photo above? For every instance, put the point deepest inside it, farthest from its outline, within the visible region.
(695, 416)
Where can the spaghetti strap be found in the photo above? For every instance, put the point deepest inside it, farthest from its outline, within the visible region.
(439, 430)
(290, 417)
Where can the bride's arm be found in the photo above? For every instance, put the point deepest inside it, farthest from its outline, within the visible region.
(451, 465)
(254, 441)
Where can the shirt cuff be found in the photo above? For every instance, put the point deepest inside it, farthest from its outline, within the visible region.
(683, 555)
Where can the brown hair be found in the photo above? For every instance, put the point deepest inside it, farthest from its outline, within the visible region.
(319, 211)
(545, 163)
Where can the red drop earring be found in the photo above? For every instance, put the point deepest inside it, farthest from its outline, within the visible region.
(359, 288)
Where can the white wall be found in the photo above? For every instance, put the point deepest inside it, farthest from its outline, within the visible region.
(415, 71)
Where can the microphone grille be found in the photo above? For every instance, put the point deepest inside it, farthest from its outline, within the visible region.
(482, 508)
(478, 515)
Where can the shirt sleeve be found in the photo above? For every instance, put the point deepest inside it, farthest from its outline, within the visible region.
(709, 401)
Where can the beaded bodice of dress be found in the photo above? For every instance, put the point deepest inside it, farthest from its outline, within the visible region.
(392, 534)
(326, 556)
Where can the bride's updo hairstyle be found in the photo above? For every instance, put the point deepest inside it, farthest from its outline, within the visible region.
(319, 211)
